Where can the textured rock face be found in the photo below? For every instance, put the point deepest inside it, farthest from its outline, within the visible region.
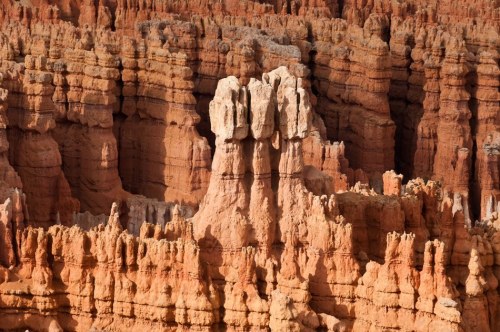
(161, 154)
(9, 176)
(249, 165)
(353, 77)
(85, 100)
(254, 257)
(33, 152)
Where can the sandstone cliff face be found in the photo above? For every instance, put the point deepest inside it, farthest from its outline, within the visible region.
(389, 83)
(486, 181)
(85, 100)
(249, 147)
(33, 152)
(160, 107)
(254, 257)
(9, 177)
(352, 75)
(90, 81)
(12, 216)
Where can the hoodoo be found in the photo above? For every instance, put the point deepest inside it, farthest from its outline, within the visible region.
(249, 165)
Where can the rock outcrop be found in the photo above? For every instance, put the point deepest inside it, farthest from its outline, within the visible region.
(85, 80)
(33, 152)
(160, 107)
(249, 165)
(262, 251)
(352, 77)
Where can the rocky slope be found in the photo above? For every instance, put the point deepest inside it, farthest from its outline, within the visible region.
(249, 165)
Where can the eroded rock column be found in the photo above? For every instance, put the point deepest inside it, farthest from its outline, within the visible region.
(34, 153)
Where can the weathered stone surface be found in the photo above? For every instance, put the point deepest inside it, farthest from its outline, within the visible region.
(33, 152)
(234, 165)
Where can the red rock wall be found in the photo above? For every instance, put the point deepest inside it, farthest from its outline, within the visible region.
(34, 153)
(298, 261)
(89, 88)
(261, 137)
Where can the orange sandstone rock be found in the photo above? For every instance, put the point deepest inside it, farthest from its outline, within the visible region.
(236, 165)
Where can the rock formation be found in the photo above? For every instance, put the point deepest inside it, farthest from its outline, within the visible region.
(249, 165)
(34, 153)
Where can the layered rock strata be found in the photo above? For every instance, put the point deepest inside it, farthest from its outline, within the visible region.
(85, 81)
(9, 177)
(160, 107)
(404, 76)
(96, 77)
(34, 153)
(254, 257)
(283, 230)
(352, 72)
